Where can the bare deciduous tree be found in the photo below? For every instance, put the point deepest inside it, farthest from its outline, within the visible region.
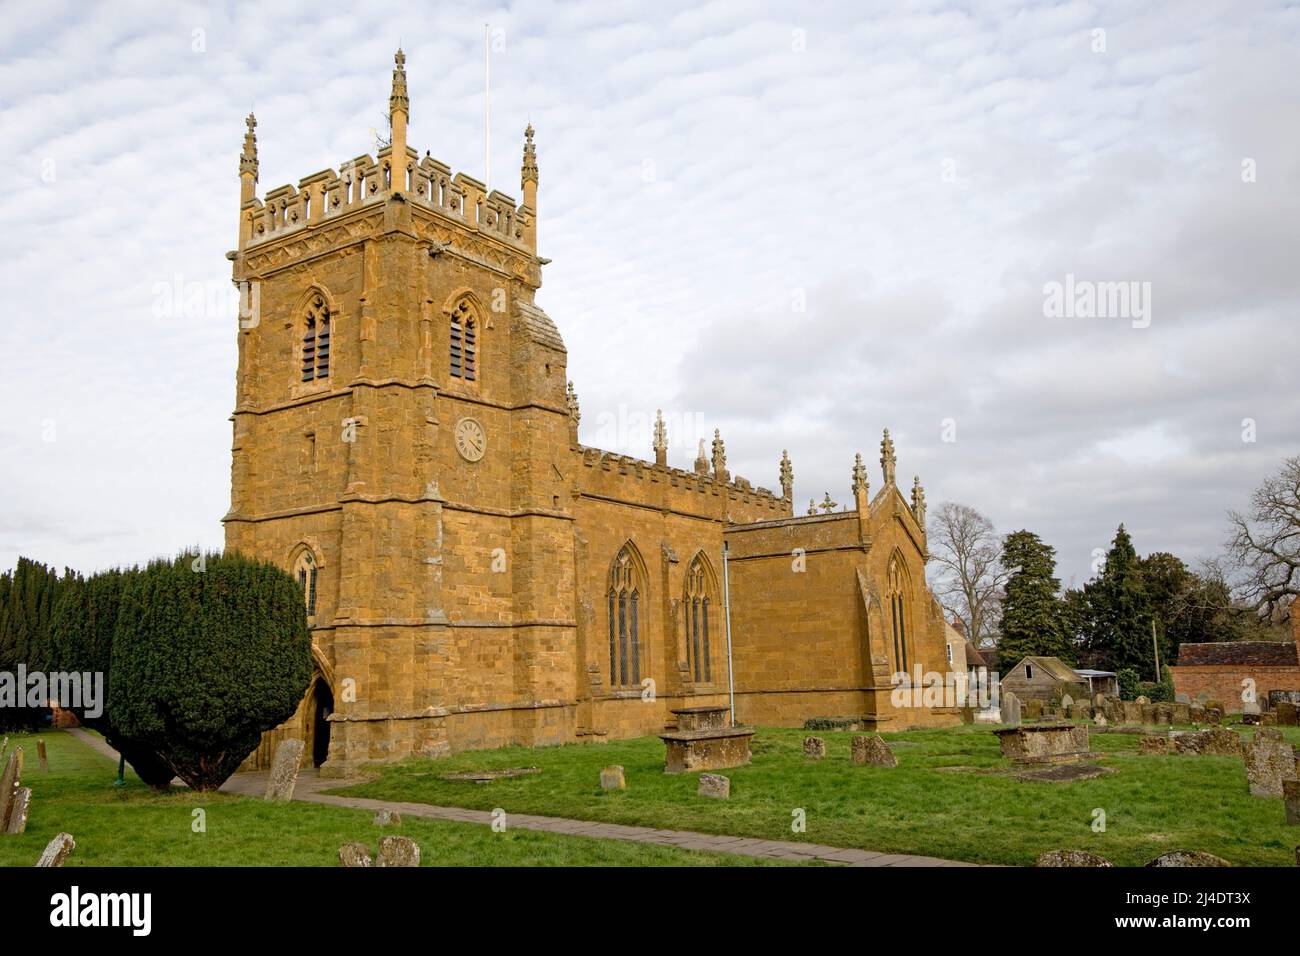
(1265, 544)
(968, 578)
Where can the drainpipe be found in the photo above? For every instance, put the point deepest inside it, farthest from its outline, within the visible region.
(726, 606)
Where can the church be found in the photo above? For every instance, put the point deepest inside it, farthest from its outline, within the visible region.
(406, 443)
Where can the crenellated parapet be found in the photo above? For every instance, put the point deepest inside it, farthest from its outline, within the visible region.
(629, 479)
(454, 205)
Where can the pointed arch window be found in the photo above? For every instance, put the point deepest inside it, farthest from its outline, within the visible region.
(316, 340)
(898, 612)
(464, 342)
(697, 607)
(305, 571)
(625, 590)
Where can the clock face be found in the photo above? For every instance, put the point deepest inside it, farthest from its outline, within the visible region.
(470, 440)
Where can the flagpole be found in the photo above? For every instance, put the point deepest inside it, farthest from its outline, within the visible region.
(487, 107)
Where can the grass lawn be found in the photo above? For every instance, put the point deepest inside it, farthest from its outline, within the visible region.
(935, 803)
(134, 826)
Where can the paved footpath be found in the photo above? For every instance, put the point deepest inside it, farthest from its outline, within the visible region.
(310, 784)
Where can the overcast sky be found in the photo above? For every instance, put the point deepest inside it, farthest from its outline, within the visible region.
(796, 225)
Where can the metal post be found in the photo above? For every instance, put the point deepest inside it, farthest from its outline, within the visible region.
(121, 772)
(726, 606)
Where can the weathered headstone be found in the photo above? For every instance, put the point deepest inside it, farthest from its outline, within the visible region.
(871, 751)
(1269, 760)
(1099, 702)
(1288, 714)
(398, 851)
(387, 818)
(18, 811)
(1182, 714)
(714, 785)
(1182, 699)
(354, 854)
(1196, 714)
(1070, 858)
(1032, 709)
(814, 747)
(1154, 745)
(1066, 701)
(1143, 699)
(1188, 858)
(1100, 720)
(57, 850)
(284, 770)
(42, 760)
(9, 781)
(1010, 709)
(1268, 720)
(612, 778)
(1291, 801)
(1213, 716)
(1217, 741)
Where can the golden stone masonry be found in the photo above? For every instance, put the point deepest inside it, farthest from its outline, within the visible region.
(405, 443)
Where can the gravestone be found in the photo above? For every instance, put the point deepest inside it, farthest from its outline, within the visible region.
(1066, 702)
(1182, 699)
(1288, 714)
(9, 781)
(56, 851)
(398, 851)
(1188, 858)
(1099, 702)
(1196, 714)
(42, 761)
(1132, 712)
(1291, 801)
(284, 770)
(1142, 700)
(1182, 714)
(387, 818)
(1268, 720)
(1213, 716)
(1070, 858)
(1148, 714)
(1010, 710)
(18, 812)
(1032, 708)
(612, 778)
(1101, 720)
(714, 785)
(814, 747)
(1269, 760)
(1044, 743)
(354, 854)
(871, 751)
(1216, 742)
(704, 740)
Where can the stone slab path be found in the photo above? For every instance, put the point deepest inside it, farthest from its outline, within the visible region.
(310, 785)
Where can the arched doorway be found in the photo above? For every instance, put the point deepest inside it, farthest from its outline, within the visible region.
(322, 705)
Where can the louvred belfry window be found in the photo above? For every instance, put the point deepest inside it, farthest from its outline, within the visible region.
(464, 342)
(316, 341)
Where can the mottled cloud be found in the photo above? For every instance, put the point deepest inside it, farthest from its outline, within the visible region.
(796, 226)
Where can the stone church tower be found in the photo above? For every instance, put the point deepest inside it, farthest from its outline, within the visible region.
(399, 423)
(405, 444)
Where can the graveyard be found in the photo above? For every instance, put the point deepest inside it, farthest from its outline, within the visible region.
(137, 827)
(951, 794)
